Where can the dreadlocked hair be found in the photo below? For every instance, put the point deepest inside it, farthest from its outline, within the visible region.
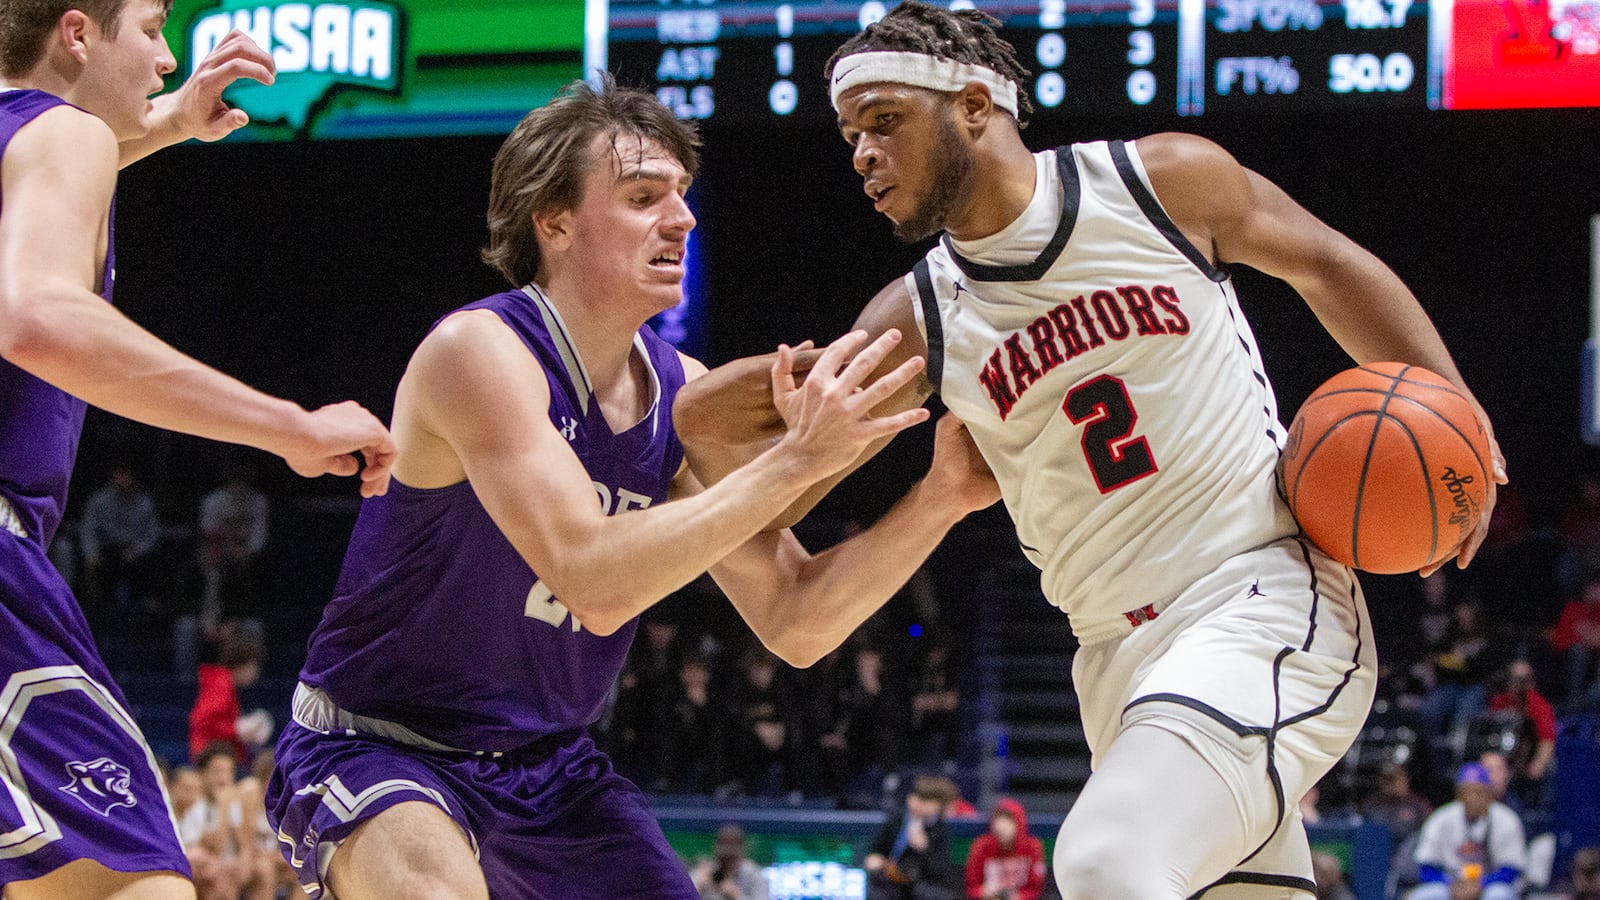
(965, 36)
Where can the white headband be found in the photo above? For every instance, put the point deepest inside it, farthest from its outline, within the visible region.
(920, 70)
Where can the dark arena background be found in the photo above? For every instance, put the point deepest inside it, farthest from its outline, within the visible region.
(309, 261)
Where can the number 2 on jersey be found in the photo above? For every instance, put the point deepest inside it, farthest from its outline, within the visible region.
(1115, 457)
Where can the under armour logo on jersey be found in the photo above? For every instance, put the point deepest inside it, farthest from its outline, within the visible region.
(1143, 614)
(569, 428)
(1255, 590)
(101, 785)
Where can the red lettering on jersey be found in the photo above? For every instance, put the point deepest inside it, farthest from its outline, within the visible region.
(1059, 335)
(1142, 309)
(1095, 340)
(1110, 315)
(1067, 327)
(1168, 298)
(1023, 371)
(1044, 343)
(993, 378)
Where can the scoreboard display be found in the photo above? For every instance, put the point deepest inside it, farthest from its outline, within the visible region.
(758, 60)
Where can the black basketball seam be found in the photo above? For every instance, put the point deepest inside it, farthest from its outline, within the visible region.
(1459, 433)
(1366, 466)
(1404, 380)
(1326, 434)
(1321, 395)
(1382, 412)
(1415, 402)
(1427, 488)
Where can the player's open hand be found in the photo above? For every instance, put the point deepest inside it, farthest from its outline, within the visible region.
(829, 413)
(337, 431)
(731, 405)
(959, 473)
(196, 109)
(1469, 547)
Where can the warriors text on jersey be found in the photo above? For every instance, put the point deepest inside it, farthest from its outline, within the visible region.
(1108, 376)
(438, 625)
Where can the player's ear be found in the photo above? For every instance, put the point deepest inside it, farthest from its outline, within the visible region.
(974, 107)
(70, 31)
(554, 230)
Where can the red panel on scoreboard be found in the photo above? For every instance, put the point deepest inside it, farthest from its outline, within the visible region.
(1510, 54)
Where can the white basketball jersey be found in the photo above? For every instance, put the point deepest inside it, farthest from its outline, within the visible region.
(1111, 382)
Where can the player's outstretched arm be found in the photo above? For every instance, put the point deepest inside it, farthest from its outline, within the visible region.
(475, 403)
(726, 417)
(1236, 215)
(196, 109)
(57, 177)
(803, 606)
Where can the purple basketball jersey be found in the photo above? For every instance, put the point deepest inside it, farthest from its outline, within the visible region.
(439, 626)
(39, 424)
(80, 781)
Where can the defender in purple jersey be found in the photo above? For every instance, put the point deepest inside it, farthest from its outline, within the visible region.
(439, 744)
(83, 812)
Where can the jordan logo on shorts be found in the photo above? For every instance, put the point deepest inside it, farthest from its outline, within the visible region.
(1143, 614)
(1255, 590)
(101, 785)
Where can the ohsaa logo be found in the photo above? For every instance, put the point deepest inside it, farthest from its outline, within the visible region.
(317, 47)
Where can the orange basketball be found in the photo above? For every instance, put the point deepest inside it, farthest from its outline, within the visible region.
(1386, 467)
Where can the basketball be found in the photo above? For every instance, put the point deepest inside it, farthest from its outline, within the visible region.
(1386, 467)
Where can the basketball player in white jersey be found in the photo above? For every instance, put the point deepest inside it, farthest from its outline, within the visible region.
(1077, 315)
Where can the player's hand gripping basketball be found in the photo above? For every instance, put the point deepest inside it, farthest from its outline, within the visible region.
(334, 433)
(1469, 547)
(196, 109)
(829, 414)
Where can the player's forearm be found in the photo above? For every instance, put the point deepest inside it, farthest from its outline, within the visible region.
(1371, 313)
(81, 344)
(826, 597)
(712, 462)
(629, 562)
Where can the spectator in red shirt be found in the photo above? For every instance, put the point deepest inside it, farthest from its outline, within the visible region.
(1536, 741)
(1577, 637)
(1007, 863)
(215, 716)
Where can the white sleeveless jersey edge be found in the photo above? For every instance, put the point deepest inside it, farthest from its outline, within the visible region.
(1113, 385)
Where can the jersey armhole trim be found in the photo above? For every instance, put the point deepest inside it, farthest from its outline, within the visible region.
(1158, 217)
(931, 324)
(1067, 166)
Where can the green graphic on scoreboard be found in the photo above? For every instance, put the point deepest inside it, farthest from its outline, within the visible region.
(389, 68)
